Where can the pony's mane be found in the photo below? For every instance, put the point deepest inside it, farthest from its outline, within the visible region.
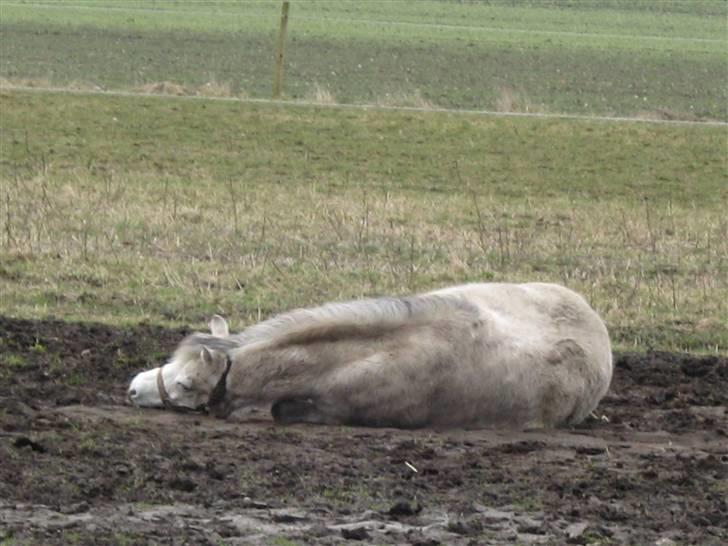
(354, 318)
(191, 346)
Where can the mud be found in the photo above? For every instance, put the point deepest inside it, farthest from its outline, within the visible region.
(80, 466)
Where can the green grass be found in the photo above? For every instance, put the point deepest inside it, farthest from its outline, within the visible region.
(282, 541)
(121, 209)
(11, 363)
(650, 58)
(522, 23)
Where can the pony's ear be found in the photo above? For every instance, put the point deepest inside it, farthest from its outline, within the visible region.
(206, 356)
(219, 326)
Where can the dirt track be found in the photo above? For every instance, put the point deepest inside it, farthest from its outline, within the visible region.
(80, 466)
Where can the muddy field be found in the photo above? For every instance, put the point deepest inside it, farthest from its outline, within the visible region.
(80, 466)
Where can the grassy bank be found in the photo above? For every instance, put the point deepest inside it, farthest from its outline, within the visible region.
(167, 210)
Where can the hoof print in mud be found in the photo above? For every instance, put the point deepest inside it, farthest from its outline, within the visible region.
(405, 508)
(23, 442)
(357, 533)
(182, 484)
(465, 527)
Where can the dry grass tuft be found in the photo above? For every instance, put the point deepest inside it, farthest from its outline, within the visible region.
(406, 99)
(77, 85)
(214, 89)
(25, 82)
(163, 88)
(509, 100)
(320, 95)
(664, 114)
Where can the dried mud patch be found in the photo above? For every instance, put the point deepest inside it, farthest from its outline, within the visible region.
(80, 466)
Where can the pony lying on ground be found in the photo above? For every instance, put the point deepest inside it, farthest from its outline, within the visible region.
(497, 355)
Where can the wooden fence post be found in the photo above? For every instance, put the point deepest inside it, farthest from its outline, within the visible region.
(278, 78)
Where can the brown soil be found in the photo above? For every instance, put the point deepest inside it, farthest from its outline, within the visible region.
(78, 465)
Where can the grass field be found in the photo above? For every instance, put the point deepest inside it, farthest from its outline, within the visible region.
(128, 209)
(613, 57)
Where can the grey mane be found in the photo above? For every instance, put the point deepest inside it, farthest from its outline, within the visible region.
(357, 317)
(193, 343)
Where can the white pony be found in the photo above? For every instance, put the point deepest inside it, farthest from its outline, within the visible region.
(498, 355)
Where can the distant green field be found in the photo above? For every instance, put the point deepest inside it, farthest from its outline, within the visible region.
(658, 59)
(121, 209)
(700, 27)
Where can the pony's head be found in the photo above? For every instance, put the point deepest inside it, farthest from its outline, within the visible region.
(200, 382)
(188, 380)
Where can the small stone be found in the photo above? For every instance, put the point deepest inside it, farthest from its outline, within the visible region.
(250, 503)
(287, 516)
(575, 531)
(122, 469)
(75, 508)
(530, 526)
(491, 515)
(104, 398)
(318, 530)
(460, 527)
(591, 450)
(214, 472)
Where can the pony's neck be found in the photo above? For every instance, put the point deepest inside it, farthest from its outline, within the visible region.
(265, 372)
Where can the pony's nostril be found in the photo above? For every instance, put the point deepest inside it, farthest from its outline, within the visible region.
(132, 393)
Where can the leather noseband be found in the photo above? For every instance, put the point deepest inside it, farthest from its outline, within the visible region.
(163, 394)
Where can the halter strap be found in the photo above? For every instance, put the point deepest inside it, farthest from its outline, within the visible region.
(166, 400)
(163, 394)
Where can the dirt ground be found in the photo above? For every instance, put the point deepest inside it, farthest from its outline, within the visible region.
(80, 466)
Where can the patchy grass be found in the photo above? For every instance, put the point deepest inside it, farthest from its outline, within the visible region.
(644, 59)
(169, 210)
(11, 363)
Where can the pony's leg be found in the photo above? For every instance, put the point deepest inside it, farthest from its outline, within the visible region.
(384, 389)
(373, 391)
(297, 410)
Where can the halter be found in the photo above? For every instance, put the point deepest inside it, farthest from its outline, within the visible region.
(163, 395)
(216, 396)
